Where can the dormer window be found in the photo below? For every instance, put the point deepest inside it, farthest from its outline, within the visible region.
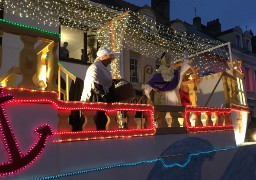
(147, 23)
(135, 59)
(134, 76)
(247, 44)
(178, 27)
(238, 39)
(247, 37)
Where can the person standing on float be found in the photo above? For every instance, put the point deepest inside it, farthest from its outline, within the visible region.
(99, 85)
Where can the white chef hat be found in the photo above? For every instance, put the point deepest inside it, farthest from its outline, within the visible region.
(102, 51)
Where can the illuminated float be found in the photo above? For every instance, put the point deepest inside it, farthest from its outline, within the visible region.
(141, 141)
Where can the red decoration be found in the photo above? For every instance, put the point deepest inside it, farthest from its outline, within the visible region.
(192, 109)
(37, 96)
(184, 97)
(17, 160)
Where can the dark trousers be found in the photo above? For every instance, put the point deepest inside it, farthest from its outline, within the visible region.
(100, 120)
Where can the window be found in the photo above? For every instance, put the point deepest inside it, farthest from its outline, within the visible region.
(247, 44)
(147, 25)
(134, 70)
(248, 79)
(238, 38)
(80, 47)
(241, 94)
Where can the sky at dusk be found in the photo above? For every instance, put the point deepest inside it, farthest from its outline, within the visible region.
(231, 13)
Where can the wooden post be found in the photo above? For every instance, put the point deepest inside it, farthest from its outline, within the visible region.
(27, 62)
(230, 93)
(113, 48)
(63, 123)
(38, 69)
(208, 116)
(198, 122)
(67, 87)
(111, 123)
(59, 81)
(168, 119)
(226, 90)
(89, 120)
(131, 119)
(175, 122)
(160, 120)
(227, 117)
(219, 119)
(186, 120)
(52, 67)
(147, 119)
(235, 92)
(192, 94)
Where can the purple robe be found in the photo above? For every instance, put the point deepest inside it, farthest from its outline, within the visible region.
(157, 82)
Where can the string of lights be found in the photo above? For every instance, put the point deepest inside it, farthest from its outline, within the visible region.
(160, 159)
(86, 13)
(36, 96)
(150, 43)
(76, 13)
(29, 27)
(133, 31)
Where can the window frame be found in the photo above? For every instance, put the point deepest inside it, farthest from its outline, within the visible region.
(247, 44)
(85, 47)
(238, 40)
(241, 91)
(147, 25)
(248, 79)
(132, 58)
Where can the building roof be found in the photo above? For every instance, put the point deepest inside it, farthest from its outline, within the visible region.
(226, 31)
(118, 4)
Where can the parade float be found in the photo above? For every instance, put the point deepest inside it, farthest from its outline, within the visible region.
(200, 138)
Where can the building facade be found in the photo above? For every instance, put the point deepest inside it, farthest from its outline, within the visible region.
(243, 50)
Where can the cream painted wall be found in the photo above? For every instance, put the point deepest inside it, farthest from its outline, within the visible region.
(126, 64)
(12, 45)
(206, 86)
(143, 61)
(76, 69)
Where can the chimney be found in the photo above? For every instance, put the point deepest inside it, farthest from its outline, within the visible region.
(214, 27)
(161, 7)
(197, 22)
(251, 33)
(254, 44)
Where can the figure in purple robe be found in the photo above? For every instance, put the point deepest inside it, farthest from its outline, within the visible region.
(167, 80)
